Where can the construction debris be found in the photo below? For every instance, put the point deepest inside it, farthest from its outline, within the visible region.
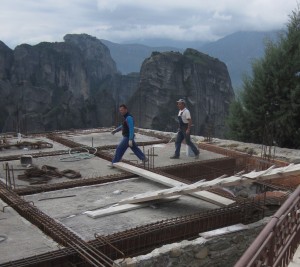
(26, 144)
(35, 175)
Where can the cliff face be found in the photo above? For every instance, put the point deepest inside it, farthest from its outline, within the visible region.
(202, 81)
(57, 85)
(75, 84)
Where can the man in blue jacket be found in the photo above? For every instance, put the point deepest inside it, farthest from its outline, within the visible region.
(127, 128)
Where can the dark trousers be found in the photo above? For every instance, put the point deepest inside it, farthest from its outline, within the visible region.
(122, 147)
(181, 135)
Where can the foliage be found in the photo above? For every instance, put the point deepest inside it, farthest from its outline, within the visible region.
(268, 109)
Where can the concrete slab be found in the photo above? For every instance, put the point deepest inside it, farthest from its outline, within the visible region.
(162, 153)
(295, 262)
(68, 206)
(27, 150)
(19, 238)
(176, 187)
(88, 168)
(81, 199)
(103, 138)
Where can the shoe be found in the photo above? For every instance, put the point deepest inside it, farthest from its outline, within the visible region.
(174, 157)
(145, 159)
(197, 156)
(111, 165)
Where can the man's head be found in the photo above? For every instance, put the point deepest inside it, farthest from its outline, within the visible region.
(181, 104)
(123, 109)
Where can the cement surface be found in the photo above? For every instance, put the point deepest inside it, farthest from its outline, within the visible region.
(70, 210)
(103, 138)
(97, 167)
(19, 238)
(88, 168)
(163, 152)
(27, 150)
(68, 206)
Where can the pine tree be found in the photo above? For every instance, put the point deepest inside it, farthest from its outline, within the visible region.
(268, 110)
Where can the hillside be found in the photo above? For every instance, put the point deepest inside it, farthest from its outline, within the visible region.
(237, 51)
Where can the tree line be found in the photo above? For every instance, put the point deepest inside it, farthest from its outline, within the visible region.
(267, 110)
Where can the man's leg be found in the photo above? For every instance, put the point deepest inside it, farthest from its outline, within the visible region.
(178, 141)
(191, 144)
(137, 151)
(123, 145)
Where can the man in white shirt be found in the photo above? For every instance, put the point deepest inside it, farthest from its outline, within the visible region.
(184, 132)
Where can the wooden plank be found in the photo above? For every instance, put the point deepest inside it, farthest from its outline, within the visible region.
(212, 198)
(224, 230)
(118, 208)
(114, 209)
(180, 188)
(148, 174)
(273, 173)
(207, 196)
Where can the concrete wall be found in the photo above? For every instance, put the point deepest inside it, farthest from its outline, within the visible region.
(218, 251)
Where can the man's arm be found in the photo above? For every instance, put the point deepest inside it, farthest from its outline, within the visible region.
(119, 128)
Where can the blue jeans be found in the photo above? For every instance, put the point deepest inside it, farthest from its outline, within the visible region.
(181, 135)
(122, 147)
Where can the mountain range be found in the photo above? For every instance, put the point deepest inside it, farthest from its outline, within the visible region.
(237, 51)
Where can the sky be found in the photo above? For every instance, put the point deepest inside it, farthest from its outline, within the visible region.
(125, 21)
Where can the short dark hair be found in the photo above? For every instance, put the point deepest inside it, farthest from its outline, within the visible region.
(123, 106)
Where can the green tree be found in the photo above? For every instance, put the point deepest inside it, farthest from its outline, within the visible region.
(268, 110)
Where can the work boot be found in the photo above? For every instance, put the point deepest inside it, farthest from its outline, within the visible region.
(145, 159)
(174, 157)
(197, 156)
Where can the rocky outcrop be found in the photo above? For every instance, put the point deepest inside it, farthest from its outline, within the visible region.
(49, 86)
(75, 84)
(202, 81)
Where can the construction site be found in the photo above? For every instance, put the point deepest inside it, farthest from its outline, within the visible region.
(61, 205)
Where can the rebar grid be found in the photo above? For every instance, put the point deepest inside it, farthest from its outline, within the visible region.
(196, 171)
(35, 155)
(74, 183)
(75, 131)
(145, 238)
(58, 232)
(245, 161)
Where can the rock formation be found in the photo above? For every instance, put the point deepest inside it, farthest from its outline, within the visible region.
(202, 81)
(61, 85)
(75, 84)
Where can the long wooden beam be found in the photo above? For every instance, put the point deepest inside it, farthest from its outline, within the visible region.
(271, 173)
(204, 195)
(118, 208)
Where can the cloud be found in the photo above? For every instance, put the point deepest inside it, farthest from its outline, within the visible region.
(34, 21)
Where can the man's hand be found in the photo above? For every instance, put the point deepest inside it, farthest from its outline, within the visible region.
(130, 143)
(113, 132)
